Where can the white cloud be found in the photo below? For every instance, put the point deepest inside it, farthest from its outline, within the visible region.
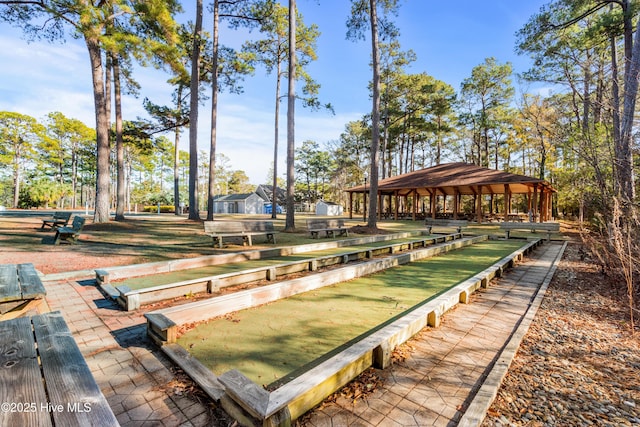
(39, 78)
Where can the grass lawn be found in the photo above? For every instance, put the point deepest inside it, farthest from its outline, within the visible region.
(274, 342)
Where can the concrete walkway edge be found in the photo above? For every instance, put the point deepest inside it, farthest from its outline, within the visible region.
(475, 413)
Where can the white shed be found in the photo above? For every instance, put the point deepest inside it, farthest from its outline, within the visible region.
(328, 208)
(249, 203)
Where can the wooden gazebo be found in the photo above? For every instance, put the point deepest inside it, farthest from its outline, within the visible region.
(447, 183)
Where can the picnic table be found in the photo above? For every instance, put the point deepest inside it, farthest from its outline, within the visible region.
(45, 380)
(21, 289)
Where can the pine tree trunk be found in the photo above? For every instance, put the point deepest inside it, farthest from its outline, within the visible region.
(101, 213)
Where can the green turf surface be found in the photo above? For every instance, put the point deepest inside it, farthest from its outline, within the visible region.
(274, 342)
(135, 283)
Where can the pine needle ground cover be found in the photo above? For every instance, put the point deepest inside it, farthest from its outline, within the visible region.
(275, 342)
(136, 283)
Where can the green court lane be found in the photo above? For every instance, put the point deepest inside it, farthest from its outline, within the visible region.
(148, 281)
(277, 341)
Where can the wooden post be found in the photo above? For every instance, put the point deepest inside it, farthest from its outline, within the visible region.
(395, 196)
(456, 202)
(444, 201)
(507, 202)
(415, 203)
(350, 205)
(534, 204)
(479, 205)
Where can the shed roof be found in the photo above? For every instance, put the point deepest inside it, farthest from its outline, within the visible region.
(460, 178)
(233, 197)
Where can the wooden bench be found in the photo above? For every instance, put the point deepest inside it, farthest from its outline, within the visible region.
(59, 219)
(329, 226)
(45, 380)
(514, 218)
(70, 233)
(548, 227)
(243, 229)
(21, 290)
(435, 222)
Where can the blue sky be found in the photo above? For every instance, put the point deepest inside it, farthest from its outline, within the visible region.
(449, 39)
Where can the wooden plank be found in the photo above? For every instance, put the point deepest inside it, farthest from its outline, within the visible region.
(21, 383)
(30, 282)
(69, 381)
(196, 370)
(253, 398)
(9, 286)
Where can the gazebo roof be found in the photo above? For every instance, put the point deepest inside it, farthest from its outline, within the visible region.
(457, 178)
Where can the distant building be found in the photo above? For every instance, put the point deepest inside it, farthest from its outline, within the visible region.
(328, 208)
(266, 192)
(248, 203)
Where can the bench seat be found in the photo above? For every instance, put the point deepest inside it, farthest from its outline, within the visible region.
(459, 224)
(548, 227)
(59, 219)
(46, 377)
(328, 226)
(70, 234)
(21, 290)
(243, 229)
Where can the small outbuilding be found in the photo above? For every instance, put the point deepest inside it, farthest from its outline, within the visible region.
(247, 203)
(328, 208)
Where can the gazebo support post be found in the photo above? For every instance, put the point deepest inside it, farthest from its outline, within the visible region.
(534, 203)
(350, 205)
(415, 203)
(479, 205)
(432, 201)
(444, 202)
(456, 202)
(396, 207)
(507, 202)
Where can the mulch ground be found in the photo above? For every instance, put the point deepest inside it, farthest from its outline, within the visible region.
(579, 364)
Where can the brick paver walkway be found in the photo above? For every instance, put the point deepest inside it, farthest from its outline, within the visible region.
(429, 388)
(436, 383)
(137, 380)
